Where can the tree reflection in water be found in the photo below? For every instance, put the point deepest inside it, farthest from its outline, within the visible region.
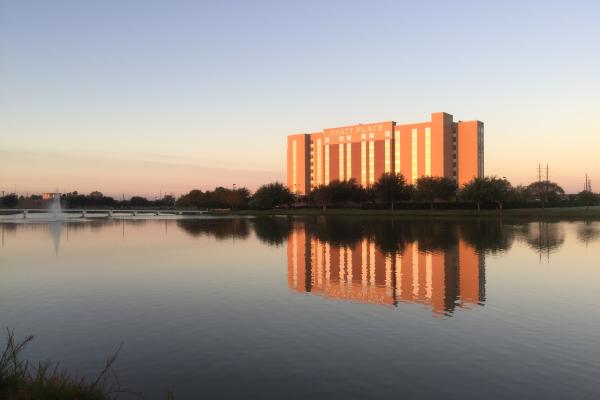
(219, 228)
(588, 232)
(543, 237)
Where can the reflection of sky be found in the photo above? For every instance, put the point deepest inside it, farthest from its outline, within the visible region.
(195, 311)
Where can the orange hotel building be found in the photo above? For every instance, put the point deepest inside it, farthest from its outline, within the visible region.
(440, 147)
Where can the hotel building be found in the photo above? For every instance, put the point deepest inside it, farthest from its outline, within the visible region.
(440, 147)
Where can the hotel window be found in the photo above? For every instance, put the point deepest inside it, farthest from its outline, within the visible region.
(414, 155)
(294, 167)
(363, 163)
(371, 162)
(341, 147)
(319, 162)
(327, 164)
(428, 151)
(348, 160)
(397, 151)
(388, 156)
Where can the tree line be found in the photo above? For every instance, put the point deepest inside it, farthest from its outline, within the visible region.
(78, 200)
(390, 191)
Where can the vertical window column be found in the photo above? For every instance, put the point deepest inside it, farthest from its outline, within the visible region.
(371, 162)
(294, 166)
(414, 149)
(388, 153)
(363, 163)
(397, 152)
(428, 151)
(348, 160)
(327, 164)
(342, 164)
(319, 163)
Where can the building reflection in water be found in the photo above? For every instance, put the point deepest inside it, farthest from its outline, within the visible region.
(443, 279)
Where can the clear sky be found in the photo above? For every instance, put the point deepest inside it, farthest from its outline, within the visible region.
(135, 97)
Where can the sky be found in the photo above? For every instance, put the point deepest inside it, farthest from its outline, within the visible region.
(149, 97)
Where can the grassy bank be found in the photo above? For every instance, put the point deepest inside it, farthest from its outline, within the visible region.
(562, 213)
(22, 380)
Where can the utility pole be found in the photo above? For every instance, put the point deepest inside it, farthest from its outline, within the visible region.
(543, 185)
(587, 187)
(540, 185)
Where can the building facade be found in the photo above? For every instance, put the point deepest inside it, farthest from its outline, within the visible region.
(440, 147)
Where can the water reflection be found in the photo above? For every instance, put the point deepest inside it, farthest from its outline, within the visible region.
(543, 237)
(55, 228)
(588, 232)
(397, 262)
(221, 229)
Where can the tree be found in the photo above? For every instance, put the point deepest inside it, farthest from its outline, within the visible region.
(477, 191)
(391, 188)
(193, 199)
(499, 190)
(545, 191)
(237, 197)
(430, 188)
(137, 201)
(344, 192)
(10, 200)
(272, 195)
(589, 198)
(519, 194)
(166, 201)
(322, 195)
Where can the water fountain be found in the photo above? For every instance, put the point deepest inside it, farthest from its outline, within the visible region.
(55, 207)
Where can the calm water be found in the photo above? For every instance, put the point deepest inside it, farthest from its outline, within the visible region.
(312, 308)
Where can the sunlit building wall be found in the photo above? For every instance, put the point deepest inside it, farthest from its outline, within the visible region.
(440, 147)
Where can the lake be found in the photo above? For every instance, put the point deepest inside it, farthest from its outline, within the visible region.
(313, 307)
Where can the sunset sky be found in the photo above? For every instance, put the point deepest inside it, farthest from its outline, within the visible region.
(138, 97)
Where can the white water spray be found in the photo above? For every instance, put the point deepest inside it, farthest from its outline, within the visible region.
(55, 207)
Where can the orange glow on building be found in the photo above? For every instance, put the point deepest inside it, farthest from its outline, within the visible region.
(440, 147)
(442, 280)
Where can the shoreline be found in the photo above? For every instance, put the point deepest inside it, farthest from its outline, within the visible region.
(560, 212)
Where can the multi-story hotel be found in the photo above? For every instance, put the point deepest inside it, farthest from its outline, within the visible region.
(441, 280)
(440, 147)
